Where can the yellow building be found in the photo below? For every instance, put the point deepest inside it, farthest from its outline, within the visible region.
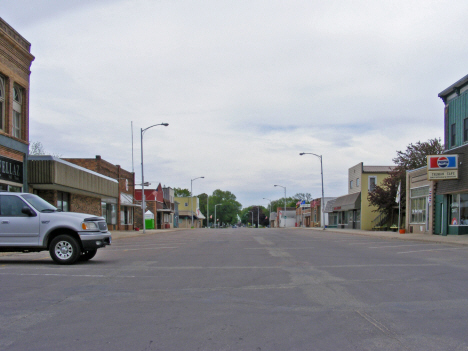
(353, 211)
(188, 209)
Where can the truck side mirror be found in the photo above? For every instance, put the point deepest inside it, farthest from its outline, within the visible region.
(27, 211)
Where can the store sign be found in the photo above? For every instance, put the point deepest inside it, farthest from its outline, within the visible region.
(11, 170)
(442, 167)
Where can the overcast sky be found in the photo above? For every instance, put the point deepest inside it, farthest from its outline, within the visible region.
(244, 85)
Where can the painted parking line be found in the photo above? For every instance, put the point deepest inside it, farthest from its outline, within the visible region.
(384, 247)
(448, 248)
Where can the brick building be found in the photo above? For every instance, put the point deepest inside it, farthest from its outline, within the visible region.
(15, 63)
(120, 211)
(69, 187)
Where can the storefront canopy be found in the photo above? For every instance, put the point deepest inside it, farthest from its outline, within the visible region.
(347, 202)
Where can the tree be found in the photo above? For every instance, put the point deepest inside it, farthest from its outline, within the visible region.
(290, 202)
(36, 148)
(227, 212)
(179, 192)
(307, 197)
(415, 156)
(259, 212)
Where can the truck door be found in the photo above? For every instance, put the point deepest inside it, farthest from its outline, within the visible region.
(17, 228)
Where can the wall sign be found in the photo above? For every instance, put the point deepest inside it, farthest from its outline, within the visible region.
(441, 167)
(11, 170)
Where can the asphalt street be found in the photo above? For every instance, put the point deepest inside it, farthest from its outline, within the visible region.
(240, 289)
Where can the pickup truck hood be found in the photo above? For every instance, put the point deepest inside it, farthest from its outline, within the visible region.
(74, 215)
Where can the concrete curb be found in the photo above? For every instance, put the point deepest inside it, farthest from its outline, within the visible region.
(122, 234)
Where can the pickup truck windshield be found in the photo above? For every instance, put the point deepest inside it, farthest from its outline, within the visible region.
(38, 203)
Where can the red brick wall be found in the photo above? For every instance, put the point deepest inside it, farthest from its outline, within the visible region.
(85, 204)
(13, 154)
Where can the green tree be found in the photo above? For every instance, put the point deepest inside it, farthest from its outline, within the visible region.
(226, 212)
(290, 202)
(415, 156)
(179, 192)
(307, 197)
(258, 211)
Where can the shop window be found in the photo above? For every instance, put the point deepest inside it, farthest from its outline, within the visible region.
(111, 214)
(465, 130)
(126, 215)
(10, 188)
(17, 101)
(2, 102)
(104, 210)
(458, 209)
(418, 204)
(63, 201)
(372, 183)
(453, 134)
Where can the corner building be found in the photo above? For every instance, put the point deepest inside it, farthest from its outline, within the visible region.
(15, 64)
(451, 196)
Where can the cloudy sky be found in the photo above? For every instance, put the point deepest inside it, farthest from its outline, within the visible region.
(244, 85)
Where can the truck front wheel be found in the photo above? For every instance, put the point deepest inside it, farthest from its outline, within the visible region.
(64, 249)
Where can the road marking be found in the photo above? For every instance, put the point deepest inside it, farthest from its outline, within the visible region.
(263, 241)
(149, 248)
(383, 247)
(448, 248)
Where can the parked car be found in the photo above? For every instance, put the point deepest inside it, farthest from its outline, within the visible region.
(30, 224)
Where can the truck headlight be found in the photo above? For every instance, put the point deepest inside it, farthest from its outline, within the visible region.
(89, 226)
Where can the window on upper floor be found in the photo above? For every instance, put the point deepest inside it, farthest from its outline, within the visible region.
(357, 181)
(465, 130)
(372, 183)
(351, 184)
(453, 134)
(2, 102)
(17, 102)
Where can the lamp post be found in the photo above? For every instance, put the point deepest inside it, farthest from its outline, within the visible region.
(284, 211)
(191, 195)
(252, 217)
(215, 214)
(143, 205)
(207, 211)
(258, 216)
(269, 204)
(322, 204)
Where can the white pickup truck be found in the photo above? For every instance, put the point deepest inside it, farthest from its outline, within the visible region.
(30, 224)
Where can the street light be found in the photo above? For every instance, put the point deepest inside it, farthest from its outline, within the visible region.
(215, 214)
(322, 205)
(252, 216)
(284, 203)
(143, 205)
(191, 195)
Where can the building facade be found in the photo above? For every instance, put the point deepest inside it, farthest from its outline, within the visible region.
(451, 199)
(353, 211)
(119, 212)
(71, 188)
(189, 208)
(15, 64)
(419, 204)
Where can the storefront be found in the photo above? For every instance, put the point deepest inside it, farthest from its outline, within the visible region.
(73, 188)
(346, 212)
(11, 174)
(419, 202)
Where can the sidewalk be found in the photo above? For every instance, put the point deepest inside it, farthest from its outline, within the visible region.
(449, 239)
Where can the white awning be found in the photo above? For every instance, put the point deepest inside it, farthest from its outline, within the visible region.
(127, 200)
